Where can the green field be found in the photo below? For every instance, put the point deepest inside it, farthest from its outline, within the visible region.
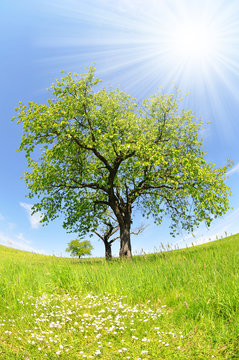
(181, 304)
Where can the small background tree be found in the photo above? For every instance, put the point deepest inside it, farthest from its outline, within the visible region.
(79, 248)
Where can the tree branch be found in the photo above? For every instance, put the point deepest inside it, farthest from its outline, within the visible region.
(100, 236)
(94, 186)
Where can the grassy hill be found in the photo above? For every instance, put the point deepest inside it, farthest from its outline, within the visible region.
(182, 304)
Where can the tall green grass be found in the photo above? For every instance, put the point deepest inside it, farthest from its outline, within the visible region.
(199, 285)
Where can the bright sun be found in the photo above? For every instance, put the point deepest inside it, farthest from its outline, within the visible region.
(194, 42)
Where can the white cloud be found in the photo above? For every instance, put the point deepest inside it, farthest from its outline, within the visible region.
(34, 219)
(18, 242)
(10, 238)
(227, 225)
(22, 239)
(5, 240)
(234, 170)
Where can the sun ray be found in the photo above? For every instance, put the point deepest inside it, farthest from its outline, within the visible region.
(147, 44)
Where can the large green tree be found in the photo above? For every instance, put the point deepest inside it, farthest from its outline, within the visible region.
(90, 149)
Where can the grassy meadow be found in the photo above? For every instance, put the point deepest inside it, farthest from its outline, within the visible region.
(182, 304)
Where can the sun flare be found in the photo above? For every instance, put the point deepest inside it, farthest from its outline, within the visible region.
(194, 42)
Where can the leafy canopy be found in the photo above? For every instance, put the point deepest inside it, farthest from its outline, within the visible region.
(79, 248)
(89, 149)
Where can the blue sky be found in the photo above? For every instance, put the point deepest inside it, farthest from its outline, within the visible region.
(140, 46)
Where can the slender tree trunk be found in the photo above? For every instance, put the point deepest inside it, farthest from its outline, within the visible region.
(125, 244)
(108, 251)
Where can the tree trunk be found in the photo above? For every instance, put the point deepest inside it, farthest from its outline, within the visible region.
(123, 215)
(125, 244)
(108, 252)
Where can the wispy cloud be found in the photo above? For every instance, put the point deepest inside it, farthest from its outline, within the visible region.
(234, 170)
(227, 225)
(22, 239)
(19, 242)
(34, 219)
